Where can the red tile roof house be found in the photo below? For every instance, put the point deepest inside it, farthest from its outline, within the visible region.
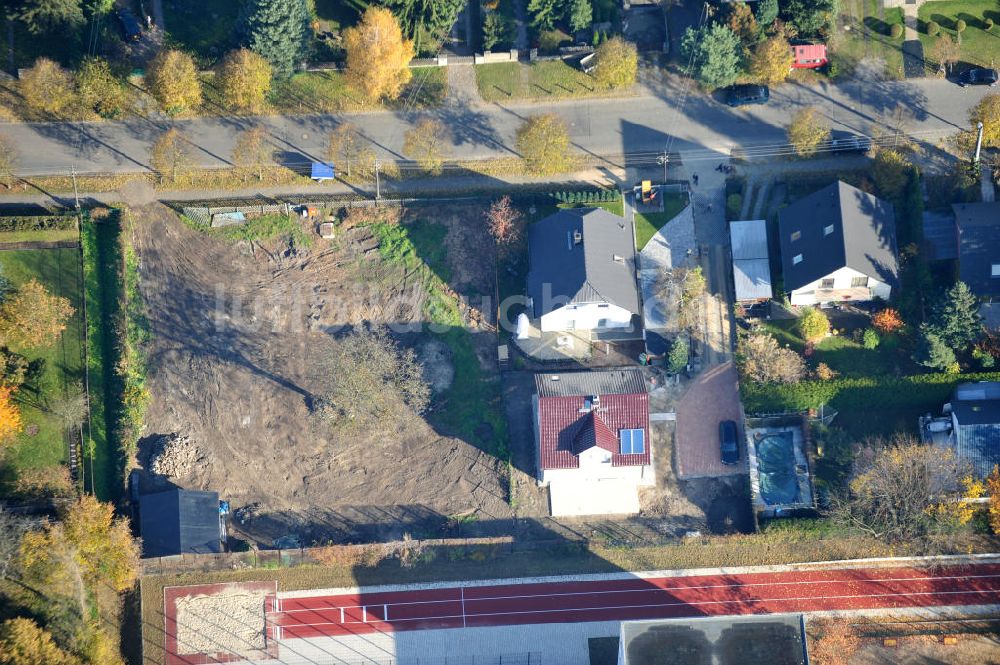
(592, 442)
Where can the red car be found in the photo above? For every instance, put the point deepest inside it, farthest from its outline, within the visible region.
(809, 56)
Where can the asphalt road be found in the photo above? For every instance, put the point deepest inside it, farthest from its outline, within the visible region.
(639, 127)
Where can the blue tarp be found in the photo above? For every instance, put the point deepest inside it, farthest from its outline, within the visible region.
(323, 171)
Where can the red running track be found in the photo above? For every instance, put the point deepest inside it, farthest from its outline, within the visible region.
(636, 598)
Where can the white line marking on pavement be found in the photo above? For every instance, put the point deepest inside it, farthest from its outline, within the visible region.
(674, 588)
(463, 605)
(695, 603)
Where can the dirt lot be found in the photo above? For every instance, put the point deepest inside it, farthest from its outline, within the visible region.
(239, 336)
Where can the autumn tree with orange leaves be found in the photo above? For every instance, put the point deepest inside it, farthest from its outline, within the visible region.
(32, 317)
(993, 490)
(887, 320)
(10, 415)
(377, 55)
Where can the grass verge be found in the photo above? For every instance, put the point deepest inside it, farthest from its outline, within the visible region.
(552, 79)
(647, 224)
(57, 235)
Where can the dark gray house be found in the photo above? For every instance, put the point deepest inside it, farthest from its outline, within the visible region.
(180, 521)
(978, 229)
(582, 272)
(838, 244)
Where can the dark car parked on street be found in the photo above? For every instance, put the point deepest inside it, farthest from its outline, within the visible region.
(131, 29)
(729, 442)
(744, 94)
(978, 76)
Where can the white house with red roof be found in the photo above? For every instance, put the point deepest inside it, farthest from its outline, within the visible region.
(592, 440)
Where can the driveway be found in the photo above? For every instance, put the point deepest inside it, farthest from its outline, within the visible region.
(713, 397)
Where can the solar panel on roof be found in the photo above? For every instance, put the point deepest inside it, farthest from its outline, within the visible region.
(632, 441)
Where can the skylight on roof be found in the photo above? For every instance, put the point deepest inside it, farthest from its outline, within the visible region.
(633, 441)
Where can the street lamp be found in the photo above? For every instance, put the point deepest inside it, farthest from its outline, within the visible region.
(378, 191)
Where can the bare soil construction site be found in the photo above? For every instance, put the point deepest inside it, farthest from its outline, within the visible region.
(240, 334)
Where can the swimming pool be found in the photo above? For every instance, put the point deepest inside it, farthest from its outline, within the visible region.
(776, 465)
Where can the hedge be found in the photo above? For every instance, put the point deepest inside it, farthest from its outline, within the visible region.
(51, 223)
(927, 391)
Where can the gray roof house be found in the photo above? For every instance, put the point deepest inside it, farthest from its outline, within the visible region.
(838, 244)
(978, 227)
(582, 272)
(180, 521)
(975, 416)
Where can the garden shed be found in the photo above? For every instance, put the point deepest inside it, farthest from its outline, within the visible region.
(180, 521)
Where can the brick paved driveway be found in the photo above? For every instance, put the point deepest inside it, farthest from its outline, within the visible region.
(712, 398)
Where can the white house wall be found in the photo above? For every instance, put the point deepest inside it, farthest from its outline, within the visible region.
(586, 317)
(842, 279)
(640, 475)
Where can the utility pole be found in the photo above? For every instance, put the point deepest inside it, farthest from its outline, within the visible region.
(979, 143)
(378, 191)
(76, 193)
(663, 160)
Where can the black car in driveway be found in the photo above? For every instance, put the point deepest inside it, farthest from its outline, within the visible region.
(746, 94)
(729, 442)
(131, 29)
(978, 76)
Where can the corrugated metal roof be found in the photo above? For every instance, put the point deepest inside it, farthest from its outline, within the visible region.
(748, 238)
(560, 419)
(626, 380)
(581, 255)
(979, 445)
(752, 278)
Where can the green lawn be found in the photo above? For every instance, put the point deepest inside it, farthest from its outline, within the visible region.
(844, 355)
(552, 79)
(978, 46)
(614, 207)
(646, 225)
(53, 235)
(864, 34)
(206, 28)
(42, 443)
(102, 288)
(328, 92)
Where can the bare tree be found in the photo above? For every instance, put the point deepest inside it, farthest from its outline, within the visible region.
(505, 222)
(170, 156)
(901, 490)
(347, 146)
(11, 530)
(762, 360)
(71, 409)
(252, 152)
(427, 143)
(372, 380)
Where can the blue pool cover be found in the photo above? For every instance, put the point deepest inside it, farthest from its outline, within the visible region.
(776, 464)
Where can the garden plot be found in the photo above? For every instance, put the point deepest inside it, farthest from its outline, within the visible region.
(241, 330)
